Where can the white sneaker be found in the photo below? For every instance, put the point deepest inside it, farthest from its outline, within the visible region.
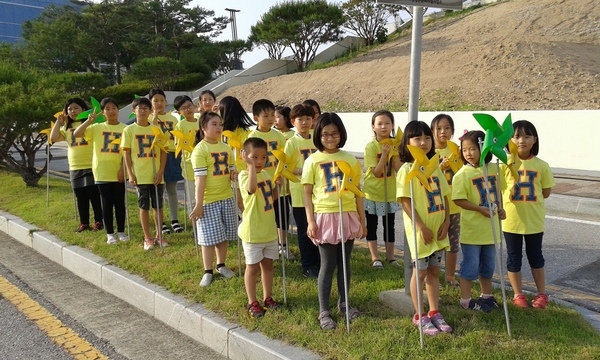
(149, 244)
(122, 237)
(225, 272)
(287, 253)
(206, 279)
(111, 239)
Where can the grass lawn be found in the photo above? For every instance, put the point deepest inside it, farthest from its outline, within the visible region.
(556, 333)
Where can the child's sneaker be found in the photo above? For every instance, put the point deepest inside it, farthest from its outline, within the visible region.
(520, 301)
(206, 279)
(176, 226)
(148, 244)
(438, 321)
(165, 229)
(428, 328)
(490, 302)
(161, 242)
(122, 237)
(98, 225)
(540, 301)
(477, 306)
(225, 272)
(269, 303)
(255, 310)
(111, 239)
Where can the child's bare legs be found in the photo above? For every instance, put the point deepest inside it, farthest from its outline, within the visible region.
(145, 222)
(282, 234)
(486, 285)
(158, 220)
(451, 258)
(516, 282)
(389, 251)
(413, 287)
(266, 268)
(221, 252)
(433, 287)
(539, 277)
(250, 279)
(465, 288)
(208, 255)
(372, 244)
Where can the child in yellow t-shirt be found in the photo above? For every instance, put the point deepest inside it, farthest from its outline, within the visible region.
(525, 213)
(80, 164)
(442, 126)
(283, 122)
(107, 165)
(206, 101)
(432, 221)
(257, 229)
(235, 119)
(189, 127)
(264, 115)
(321, 177)
(172, 175)
(145, 169)
(476, 237)
(298, 148)
(379, 182)
(215, 211)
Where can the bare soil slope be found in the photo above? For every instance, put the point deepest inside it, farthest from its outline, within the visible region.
(513, 55)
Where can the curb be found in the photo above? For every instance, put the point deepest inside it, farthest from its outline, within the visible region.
(191, 319)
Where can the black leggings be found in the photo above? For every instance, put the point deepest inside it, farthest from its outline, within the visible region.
(113, 195)
(372, 221)
(331, 258)
(86, 195)
(309, 252)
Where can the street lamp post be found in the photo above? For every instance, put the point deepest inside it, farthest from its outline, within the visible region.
(237, 64)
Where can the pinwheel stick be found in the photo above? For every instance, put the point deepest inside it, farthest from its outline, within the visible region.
(344, 260)
(126, 203)
(500, 259)
(284, 251)
(159, 233)
(235, 199)
(416, 256)
(47, 174)
(491, 209)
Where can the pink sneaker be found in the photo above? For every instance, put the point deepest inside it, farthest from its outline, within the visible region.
(428, 328)
(540, 301)
(438, 321)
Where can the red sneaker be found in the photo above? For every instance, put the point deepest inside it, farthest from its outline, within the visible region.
(520, 301)
(255, 310)
(540, 301)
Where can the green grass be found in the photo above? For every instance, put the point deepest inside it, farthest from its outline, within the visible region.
(555, 333)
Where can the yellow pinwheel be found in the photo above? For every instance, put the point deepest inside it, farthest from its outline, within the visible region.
(394, 143)
(514, 162)
(283, 167)
(454, 160)
(350, 180)
(422, 168)
(48, 130)
(234, 141)
(186, 142)
(161, 140)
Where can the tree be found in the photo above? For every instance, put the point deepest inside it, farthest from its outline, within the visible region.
(159, 71)
(230, 53)
(302, 26)
(366, 18)
(274, 47)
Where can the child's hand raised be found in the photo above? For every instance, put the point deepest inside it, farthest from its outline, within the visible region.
(444, 164)
(233, 175)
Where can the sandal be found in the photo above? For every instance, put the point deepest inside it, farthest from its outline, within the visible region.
(352, 312)
(326, 322)
(377, 264)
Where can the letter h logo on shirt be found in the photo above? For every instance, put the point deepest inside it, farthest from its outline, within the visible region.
(480, 185)
(144, 143)
(528, 185)
(435, 200)
(221, 165)
(107, 138)
(267, 192)
(329, 176)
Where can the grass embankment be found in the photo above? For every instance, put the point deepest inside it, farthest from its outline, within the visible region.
(555, 333)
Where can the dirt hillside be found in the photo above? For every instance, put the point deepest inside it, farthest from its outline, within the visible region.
(513, 55)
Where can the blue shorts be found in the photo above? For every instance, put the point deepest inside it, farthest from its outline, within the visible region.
(478, 260)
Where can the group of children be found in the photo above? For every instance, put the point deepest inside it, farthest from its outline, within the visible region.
(229, 166)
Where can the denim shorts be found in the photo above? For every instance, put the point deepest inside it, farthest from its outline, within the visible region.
(478, 260)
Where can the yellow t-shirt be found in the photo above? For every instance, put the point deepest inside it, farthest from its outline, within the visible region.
(449, 174)
(469, 184)
(79, 153)
(187, 171)
(167, 122)
(288, 134)
(214, 161)
(275, 141)
(242, 135)
(139, 139)
(524, 202)
(258, 220)
(298, 149)
(321, 171)
(107, 158)
(429, 205)
(374, 187)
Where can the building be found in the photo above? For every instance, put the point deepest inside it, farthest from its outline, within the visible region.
(14, 12)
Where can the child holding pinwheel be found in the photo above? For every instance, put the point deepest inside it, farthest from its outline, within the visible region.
(107, 165)
(185, 134)
(80, 164)
(431, 220)
(172, 174)
(264, 115)
(442, 127)
(145, 159)
(476, 237)
(525, 211)
(382, 163)
(215, 210)
(323, 176)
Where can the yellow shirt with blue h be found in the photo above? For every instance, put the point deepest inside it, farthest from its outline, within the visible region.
(275, 141)
(375, 187)
(215, 162)
(258, 220)
(80, 151)
(298, 149)
(107, 159)
(320, 171)
(138, 139)
(167, 122)
(187, 128)
(430, 206)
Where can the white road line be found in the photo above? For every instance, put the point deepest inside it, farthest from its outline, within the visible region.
(573, 220)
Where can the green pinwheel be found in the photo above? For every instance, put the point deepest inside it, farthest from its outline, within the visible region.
(94, 110)
(496, 136)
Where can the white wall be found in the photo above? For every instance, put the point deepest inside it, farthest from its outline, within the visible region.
(569, 139)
